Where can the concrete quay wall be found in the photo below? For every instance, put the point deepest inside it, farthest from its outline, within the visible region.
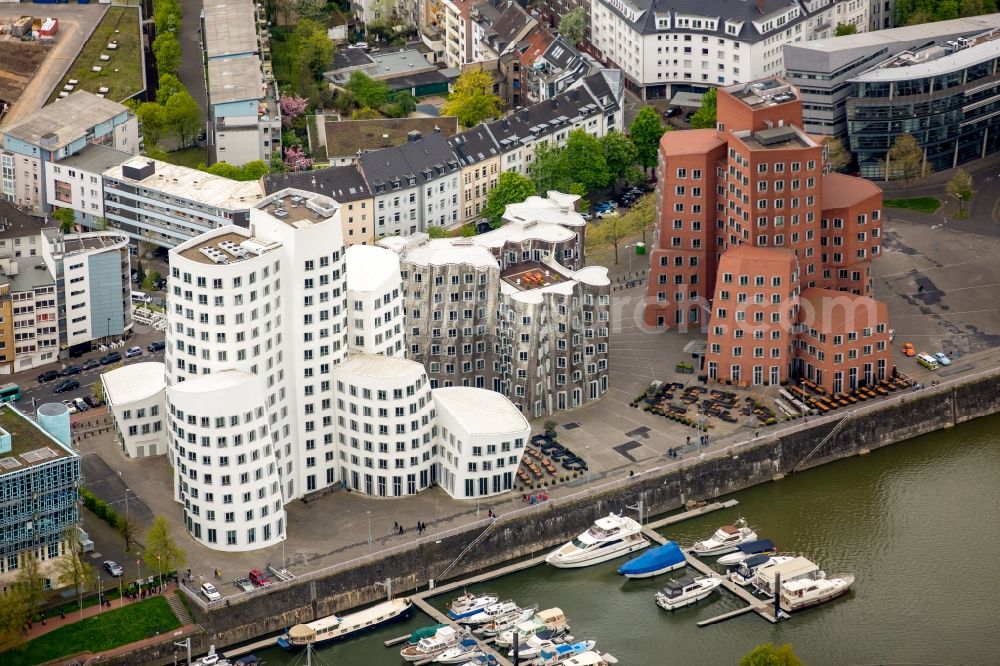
(868, 427)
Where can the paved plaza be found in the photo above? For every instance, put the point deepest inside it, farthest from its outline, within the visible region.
(956, 312)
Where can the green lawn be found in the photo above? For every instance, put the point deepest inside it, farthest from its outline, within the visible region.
(108, 630)
(920, 204)
(189, 157)
(122, 74)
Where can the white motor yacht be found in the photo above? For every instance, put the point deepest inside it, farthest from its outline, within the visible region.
(459, 654)
(213, 658)
(469, 604)
(505, 622)
(430, 647)
(796, 568)
(744, 572)
(491, 612)
(725, 540)
(550, 619)
(607, 539)
(806, 592)
(591, 658)
(685, 591)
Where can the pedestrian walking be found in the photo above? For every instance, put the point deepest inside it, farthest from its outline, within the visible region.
(400, 529)
(689, 440)
(62, 614)
(43, 620)
(395, 525)
(756, 434)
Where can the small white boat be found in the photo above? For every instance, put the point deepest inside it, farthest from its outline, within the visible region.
(469, 604)
(213, 658)
(559, 654)
(806, 592)
(607, 539)
(550, 619)
(503, 623)
(491, 612)
(467, 649)
(685, 591)
(745, 571)
(532, 647)
(591, 659)
(725, 540)
(431, 647)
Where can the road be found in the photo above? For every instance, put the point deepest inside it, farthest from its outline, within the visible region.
(76, 23)
(192, 69)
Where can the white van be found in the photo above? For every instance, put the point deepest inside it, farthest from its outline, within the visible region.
(141, 297)
(927, 361)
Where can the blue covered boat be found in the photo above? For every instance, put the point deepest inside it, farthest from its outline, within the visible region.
(654, 562)
(746, 550)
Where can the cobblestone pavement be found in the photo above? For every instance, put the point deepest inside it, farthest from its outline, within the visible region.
(956, 312)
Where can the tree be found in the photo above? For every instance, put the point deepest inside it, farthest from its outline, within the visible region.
(549, 169)
(573, 25)
(704, 117)
(310, 8)
(154, 121)
(472, 100)
(645, 133)
(66, 218)
(406, 102)
(435, 231)
(367, 91)
(845, 29)
(612, 230)
(769, 655)
(585, 159)
(837, 154)
(511, 187)
(184, 117)
(365, 113)
(167, 51)
(71, 570)
(960, 187)
(97, 390)
(292, 106)
(296, 160)
(126, 526)
(314, 54)
(620, 154)
(253, 170)
(905, 160)
(644, 212)
(169, 84)
(30, 581)
(161, 553)
(14, 613)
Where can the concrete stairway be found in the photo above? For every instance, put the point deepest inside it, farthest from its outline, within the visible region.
(178, 607)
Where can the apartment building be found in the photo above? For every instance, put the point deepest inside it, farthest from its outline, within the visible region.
(20, 232)
(415, 186)
(748, 217)
(244, 120)
(55, 132)
(479, 155)
(513, 309)
(343, 184)
(77, 182)
(826, 70)
(668, 47)
(39, 481)
(93, 272)
(272, 388)
(34, 313)
(166, 205)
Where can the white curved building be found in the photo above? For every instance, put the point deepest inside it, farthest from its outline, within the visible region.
(375, 298)
(134, 393)
(225, 463)
(482, 437)
(385, 425)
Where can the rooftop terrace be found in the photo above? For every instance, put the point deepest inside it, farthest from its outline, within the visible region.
(763, 93)
(298, 208)
(228, 247)
(31, 445)
(530, 275)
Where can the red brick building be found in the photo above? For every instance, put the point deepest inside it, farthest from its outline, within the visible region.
(751, 201)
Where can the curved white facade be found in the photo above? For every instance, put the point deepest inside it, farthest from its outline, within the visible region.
(482, 437)
(226, 470)
(385, 425)
(375, 297)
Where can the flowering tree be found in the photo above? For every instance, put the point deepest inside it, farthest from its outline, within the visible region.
(291, 108)
(296, 160)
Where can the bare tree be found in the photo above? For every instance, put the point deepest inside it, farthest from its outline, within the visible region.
(71, 570)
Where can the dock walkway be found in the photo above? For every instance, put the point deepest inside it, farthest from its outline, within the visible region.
(420, 602)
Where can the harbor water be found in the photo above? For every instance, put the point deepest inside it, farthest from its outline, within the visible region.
(917, 523)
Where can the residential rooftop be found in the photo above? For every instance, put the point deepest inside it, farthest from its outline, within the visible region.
(763, 92)
(341, 183)
(132, 382)
(346, 138)
(481, 411)
(31, 445)
(65, 120)
(223, 246)
(187, 183)
(95, 158)
(16, 223)
(298, 208)
(32, 273)
(230, 28)
(235, 79)
(530, 275)
(86, 242)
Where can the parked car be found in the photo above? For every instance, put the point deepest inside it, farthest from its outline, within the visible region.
(244, 585)
(160, 285)
(80, 404)
(156, 346)
(113, 568)
(112, 357)
(601, 214)
(942, 359)
(908, 349)
(586, 216)
(671, 112)
(92, 401)
(133, 351)
(70, 406)
(258, 578)
(48, 376)
(91, 363)
(210, 592)
(71, 370)
(66, 385)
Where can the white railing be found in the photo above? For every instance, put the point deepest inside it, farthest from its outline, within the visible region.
(594, 489)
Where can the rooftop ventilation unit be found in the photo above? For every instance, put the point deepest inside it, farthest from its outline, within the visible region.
(213, 254)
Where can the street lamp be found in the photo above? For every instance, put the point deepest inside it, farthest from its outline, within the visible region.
(961, 201)
(588, 464)
(126, 502)
(109, 329)
(369, 532)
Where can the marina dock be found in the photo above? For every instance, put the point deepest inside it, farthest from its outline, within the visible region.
(693, 513)
(263, 643)
(420, 602)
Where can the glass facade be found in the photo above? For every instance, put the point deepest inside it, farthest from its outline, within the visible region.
(37, 504)
(954, 116)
